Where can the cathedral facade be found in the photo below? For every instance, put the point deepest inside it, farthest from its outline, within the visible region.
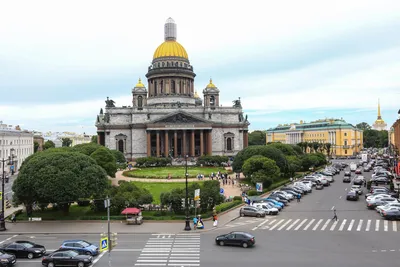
(169, 118)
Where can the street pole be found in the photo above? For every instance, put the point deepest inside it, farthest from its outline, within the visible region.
(2, 220)
(187, 222)
(109, 231)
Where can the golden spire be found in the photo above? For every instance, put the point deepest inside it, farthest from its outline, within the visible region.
(379, 109)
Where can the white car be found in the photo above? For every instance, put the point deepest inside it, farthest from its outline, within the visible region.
(308, 183)
(377, 196)
(303, 186)
(266, 208)
(288, 195)
(387, 206)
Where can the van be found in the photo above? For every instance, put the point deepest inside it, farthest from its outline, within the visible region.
(353, 167)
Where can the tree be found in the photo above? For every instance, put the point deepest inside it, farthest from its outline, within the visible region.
(119, 156)
(48, 144)
(257, 138)
(106, 160)
(315, 146)
(375, 138)
(287, 150)
(298, 149)
(328, 148)
(94, 139)
(60, 178)
(363, 126)
(35, 146)
(66, 142)
(294, 164)
(261, 170)
(310, 160)
(87, 148)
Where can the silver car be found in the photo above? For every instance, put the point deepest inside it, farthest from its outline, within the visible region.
(251, 211)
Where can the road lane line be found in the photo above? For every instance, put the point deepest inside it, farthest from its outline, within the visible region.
(359, 225)
(309, 224)
(385, 225)
(261, 224)
(284, 225)
(350, 225)
(377, 225)
(342, 225)
(293, 224)
(368, 225)
(394, 226)
(334, 225)
(272, 222)
(277, 224)
(301, 224)
(318, 223)
(325, 225)
(332, 207)
(1, 242)
(340, 197)
(98, 258)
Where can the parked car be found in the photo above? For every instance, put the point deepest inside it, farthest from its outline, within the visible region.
(81, 246)
(7, 260)
(357, 188)
(251, 211)
(242, 239)
(346, 179)
(23, 249)
(391, 214)
(267, 208)
(358, 171)
(352, 195)
(319, 186)
(347, 173)
(67, 258)
(387, 206)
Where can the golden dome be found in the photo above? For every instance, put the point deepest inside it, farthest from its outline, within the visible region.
(170, 49)
(139, 84)
(211, 85)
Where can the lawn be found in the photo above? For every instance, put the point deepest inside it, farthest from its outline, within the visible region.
(175, 172)
(157, 188)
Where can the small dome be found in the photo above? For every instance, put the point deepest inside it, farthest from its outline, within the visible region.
(211, 85)
(170, 49)
(139, 84)
(196, 95)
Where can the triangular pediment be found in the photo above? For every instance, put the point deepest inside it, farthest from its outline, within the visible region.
(179, 118)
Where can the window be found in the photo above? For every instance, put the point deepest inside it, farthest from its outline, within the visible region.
(121, 146)
(212, 100)
(229, 144)
(345, 134)
(173, 86)
(345, 152)
(140, 101)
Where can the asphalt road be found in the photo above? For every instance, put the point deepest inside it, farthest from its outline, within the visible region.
(8, 189)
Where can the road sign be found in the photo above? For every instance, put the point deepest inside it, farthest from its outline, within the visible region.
(221, 190)
(259, 187)
(104, 243)
(196, 194)
(12, 167)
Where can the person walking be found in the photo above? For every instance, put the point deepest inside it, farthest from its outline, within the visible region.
(195, 223)
(298, 197)
(334, 215)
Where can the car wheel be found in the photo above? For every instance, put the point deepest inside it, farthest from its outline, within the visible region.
(50, 264)
(88, 253)
(241, 214)
(81, 264)
(245, 245)
(30, 255)
(221, 243)
(258, 215)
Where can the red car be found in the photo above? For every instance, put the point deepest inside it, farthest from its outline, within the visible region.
(358, 171)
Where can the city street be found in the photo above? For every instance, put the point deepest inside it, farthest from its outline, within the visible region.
(8, 189)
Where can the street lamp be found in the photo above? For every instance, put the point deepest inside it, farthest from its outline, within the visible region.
(2, 216)
(187, 222)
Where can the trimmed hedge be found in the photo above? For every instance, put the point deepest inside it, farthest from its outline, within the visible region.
(214, 161)
(152, 162)
(227, 205)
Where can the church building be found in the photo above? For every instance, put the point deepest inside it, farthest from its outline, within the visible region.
(168, 118)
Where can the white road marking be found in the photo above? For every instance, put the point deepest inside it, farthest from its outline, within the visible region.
(272, 222)
(276, 225)
(368, 225)
(309, 224)
(392, 250)
(350, 225)
(318, 223)
(345, 189)
(359, 225)
(377, 225)
(333, 225)
(98, 257)
(325, 225)
(394, 226)
(301, 224)
(340, 197)
(1, 242)
(261, 224)
(383, 250)
(385, 226)
(293, 224)
(284, 225)
(342, 225)
(332, 207)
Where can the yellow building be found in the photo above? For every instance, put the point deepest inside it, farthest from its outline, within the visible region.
(345, 139)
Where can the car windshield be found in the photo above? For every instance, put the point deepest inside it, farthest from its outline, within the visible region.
(27, 245)
(84, 243)
(72, 253)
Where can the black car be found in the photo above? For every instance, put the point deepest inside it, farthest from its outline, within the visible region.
(23, 249)
(352, 195)
(7, 260)
(380, 180)
(346, 179)
(347, 173)
(236, 239)
(66, 258)
(358, 181)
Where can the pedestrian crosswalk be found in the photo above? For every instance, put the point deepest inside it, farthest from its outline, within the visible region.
(181, 250)
(356, 225)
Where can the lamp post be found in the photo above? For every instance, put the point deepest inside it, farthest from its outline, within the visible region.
(187, 222)
(2, 216)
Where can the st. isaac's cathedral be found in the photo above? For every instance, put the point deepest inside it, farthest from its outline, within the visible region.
(169, 118)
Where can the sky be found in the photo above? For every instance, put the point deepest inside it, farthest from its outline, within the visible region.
(287, 60)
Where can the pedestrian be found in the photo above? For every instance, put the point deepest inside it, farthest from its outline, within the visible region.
(291, 179)
(13, 218)
(195, 223)
(298, 197)
(215, 219)
(334, 215)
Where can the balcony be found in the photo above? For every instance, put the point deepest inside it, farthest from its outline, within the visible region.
(346, 147)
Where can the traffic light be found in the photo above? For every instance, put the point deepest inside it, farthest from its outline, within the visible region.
(183, 203)
(113, 241)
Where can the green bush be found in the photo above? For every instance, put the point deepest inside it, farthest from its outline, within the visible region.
(227, 205)
(252, 193)
(237, 198)
(152, 162)
(215, 161)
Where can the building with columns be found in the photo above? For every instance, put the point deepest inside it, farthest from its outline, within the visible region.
(169, 118)
(379, 124)
(345, 139)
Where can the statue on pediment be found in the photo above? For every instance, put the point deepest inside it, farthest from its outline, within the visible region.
(237, 103)
(110, 103)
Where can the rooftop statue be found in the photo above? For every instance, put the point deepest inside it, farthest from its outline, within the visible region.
(237, 103)
(110, 103)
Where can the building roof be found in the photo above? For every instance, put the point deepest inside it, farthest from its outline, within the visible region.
(170, 49)
(314, 126)
(139, 84)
